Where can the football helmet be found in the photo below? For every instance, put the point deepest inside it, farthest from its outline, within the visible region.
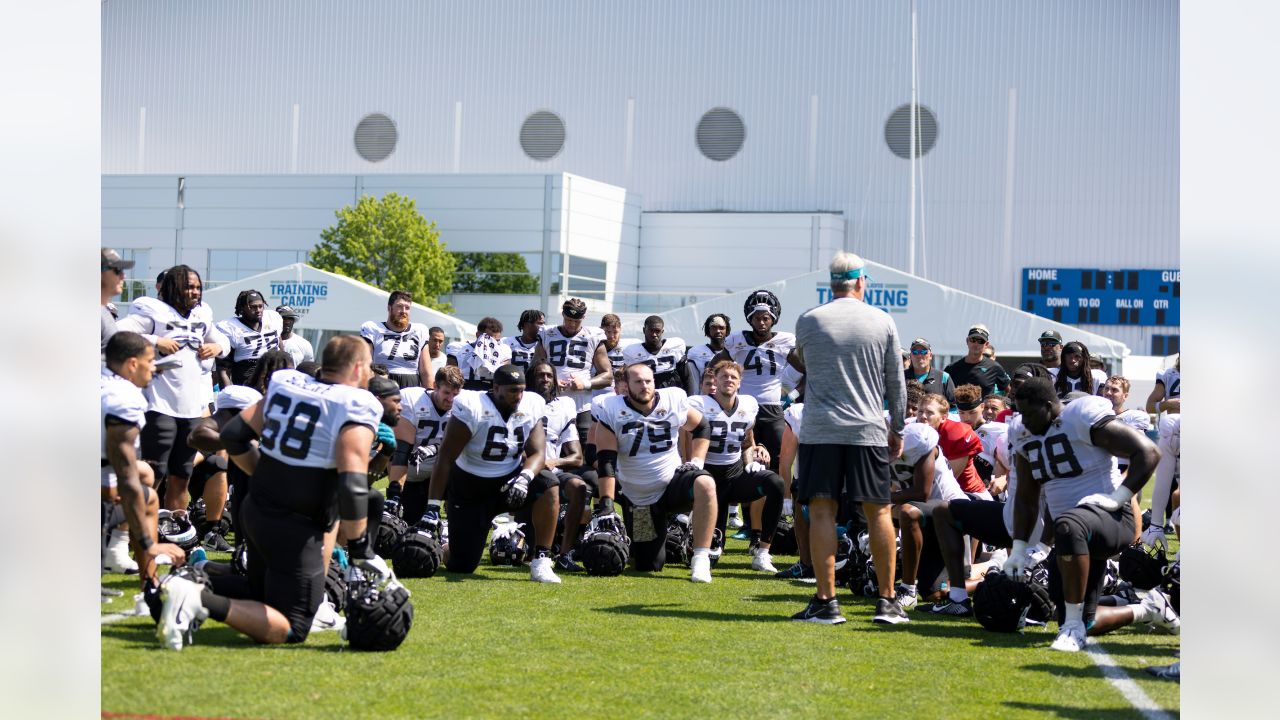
(678, 531)
(418, 555)
(605, 547)
(377, 618)
(177, 530)
(762, 300)
(784, 539)
(1142, 566)
(1002, 604)
(391, 531)
(335, 586)
(507, 546)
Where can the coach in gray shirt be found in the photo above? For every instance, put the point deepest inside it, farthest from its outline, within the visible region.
(853, 370)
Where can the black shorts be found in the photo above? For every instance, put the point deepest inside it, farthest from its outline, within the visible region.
(647, 525)
(590, 478)
(981, 519)
(926, 510)
(474, 502)
(1101, 534)
(768, 431)
(201, 473)
(405, 380)
(285, 563)
(164, 444)
(852, 473)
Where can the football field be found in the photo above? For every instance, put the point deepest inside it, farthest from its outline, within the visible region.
(638, 645)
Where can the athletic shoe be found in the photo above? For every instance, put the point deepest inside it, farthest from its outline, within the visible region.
(182, 612)
(1167, 672)
(889, 612)
(216, 542)
(824, 612)
(964, 608)
(540, 570)
(1161, 612)
(762, 561)
(742, 534)
(905, 598)
(197, 555)
(115, 559)
(566, 563)
(735, 521)
(798, 571)
(327, 618)
(1071, 637)
(700, 569)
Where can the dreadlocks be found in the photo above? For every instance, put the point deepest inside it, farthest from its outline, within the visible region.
(271, 361)
(172, 287)
(244, 298)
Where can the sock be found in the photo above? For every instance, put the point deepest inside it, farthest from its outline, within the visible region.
(702, 552)
(217, 605)
(755, 536)
(542, 551)
(1141, 613)
(911, 588)
(958, 594)
(1075, 612)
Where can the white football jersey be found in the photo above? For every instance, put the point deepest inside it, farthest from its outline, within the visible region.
(299, 348)
(183, 391)
(699, 358)
(397, 350)
(478, 360)
(496, 447)
(793, 416)
(124, 401)
(663, 362)
(1099, 379)
(247, 343)
(521, 354)
(235, 397)
(418, 407)
(648, 452)
(994, 437)
(1172, 380)
(302, 418)
(561, 426)
(616, 360)
(1065, 459)
(919, 440)
(762, 365)
(1137, 419)
(729, 428)
(572, 356)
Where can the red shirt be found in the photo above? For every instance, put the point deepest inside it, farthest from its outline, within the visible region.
(1004, 415)
(958, 440)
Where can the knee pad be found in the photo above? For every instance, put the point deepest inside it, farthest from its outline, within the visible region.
(1071, 534)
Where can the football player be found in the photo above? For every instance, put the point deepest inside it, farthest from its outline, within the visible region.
(130, 366)
(764, 355)
(420, 430)
(958, 442)
(636, 446)
(479, 359)
(992, 463)
(580, 357)
(923, 480)
(1068, 452)
(525, 343)
(802, 570)
(183, 327)
(662, 355)
(699, 358)
(398, 343)
(491, 462)
(252, 331)
(1164, 496)
(738, 464)
(1075, 373)
(1166, 396)
(311, 458)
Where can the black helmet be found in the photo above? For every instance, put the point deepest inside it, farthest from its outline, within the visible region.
(762, 300)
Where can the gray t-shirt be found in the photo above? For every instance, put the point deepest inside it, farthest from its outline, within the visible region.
(853, 366)
(108, 327)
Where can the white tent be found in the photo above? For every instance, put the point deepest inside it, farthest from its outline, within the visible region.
(327, 304)
(920, 308)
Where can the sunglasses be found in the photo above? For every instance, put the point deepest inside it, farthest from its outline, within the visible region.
(919, 352)
(976, 339)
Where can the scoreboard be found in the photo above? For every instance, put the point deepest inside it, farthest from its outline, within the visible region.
(1103, 297)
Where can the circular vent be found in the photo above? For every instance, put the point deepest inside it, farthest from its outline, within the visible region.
(720, 134)
(376, 137)
(542, 135)
(897, 130)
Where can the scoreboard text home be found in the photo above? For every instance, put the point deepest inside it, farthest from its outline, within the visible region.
(1103, 297)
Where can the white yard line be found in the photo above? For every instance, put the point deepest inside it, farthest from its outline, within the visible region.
(1120, 680)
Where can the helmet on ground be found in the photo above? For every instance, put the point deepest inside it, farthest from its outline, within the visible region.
(377, 619)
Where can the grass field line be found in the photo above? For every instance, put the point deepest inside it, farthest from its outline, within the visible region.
(119, 616)
(1121, 681)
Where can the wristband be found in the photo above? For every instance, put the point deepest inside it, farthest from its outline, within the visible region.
(528, 476)
(697, 462)
(434, 505)
(401, 455)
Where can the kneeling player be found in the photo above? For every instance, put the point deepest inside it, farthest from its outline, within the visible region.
(1068, 451)
(424, 414)
(491, 462)
(636, 445)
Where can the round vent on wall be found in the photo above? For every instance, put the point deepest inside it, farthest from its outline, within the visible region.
(720, 134)
(897, 130)
(542, 135)
(376, 137)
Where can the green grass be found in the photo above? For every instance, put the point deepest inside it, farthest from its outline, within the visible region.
(496, 644)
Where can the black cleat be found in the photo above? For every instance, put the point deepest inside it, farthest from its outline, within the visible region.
(825, 612)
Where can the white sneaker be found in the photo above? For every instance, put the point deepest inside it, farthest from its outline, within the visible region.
(735, 520)
(116, 557)
(182, 612)
(998, 559)
(327, 618)
(1161, 612)
(762, 561)
(700, 569)
(1071, 637)
(542, 570)
(905, 597)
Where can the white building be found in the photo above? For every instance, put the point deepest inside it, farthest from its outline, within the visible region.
(661, 147)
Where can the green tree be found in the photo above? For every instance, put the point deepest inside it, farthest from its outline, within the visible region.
(504, 273)
(386, 242)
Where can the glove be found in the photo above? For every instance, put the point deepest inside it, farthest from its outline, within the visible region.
(392, 505)
(386, 435)
(339, 556)
(1154, 537)
(1038, 553)
(363, 557)
(1019, 561)
(1111, 503)
(754, 467)
(688, 467)
(430, 521)
(788, 506)
(423, 453)
(516, 491)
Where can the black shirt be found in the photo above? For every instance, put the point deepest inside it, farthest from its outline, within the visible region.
(986, 374)
(937, 382)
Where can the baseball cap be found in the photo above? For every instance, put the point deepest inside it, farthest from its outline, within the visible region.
(979, 330)
(1051, 336)
(286, 311)
(508, 375)
(111, 260)
(383, 387)
(924, 343)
